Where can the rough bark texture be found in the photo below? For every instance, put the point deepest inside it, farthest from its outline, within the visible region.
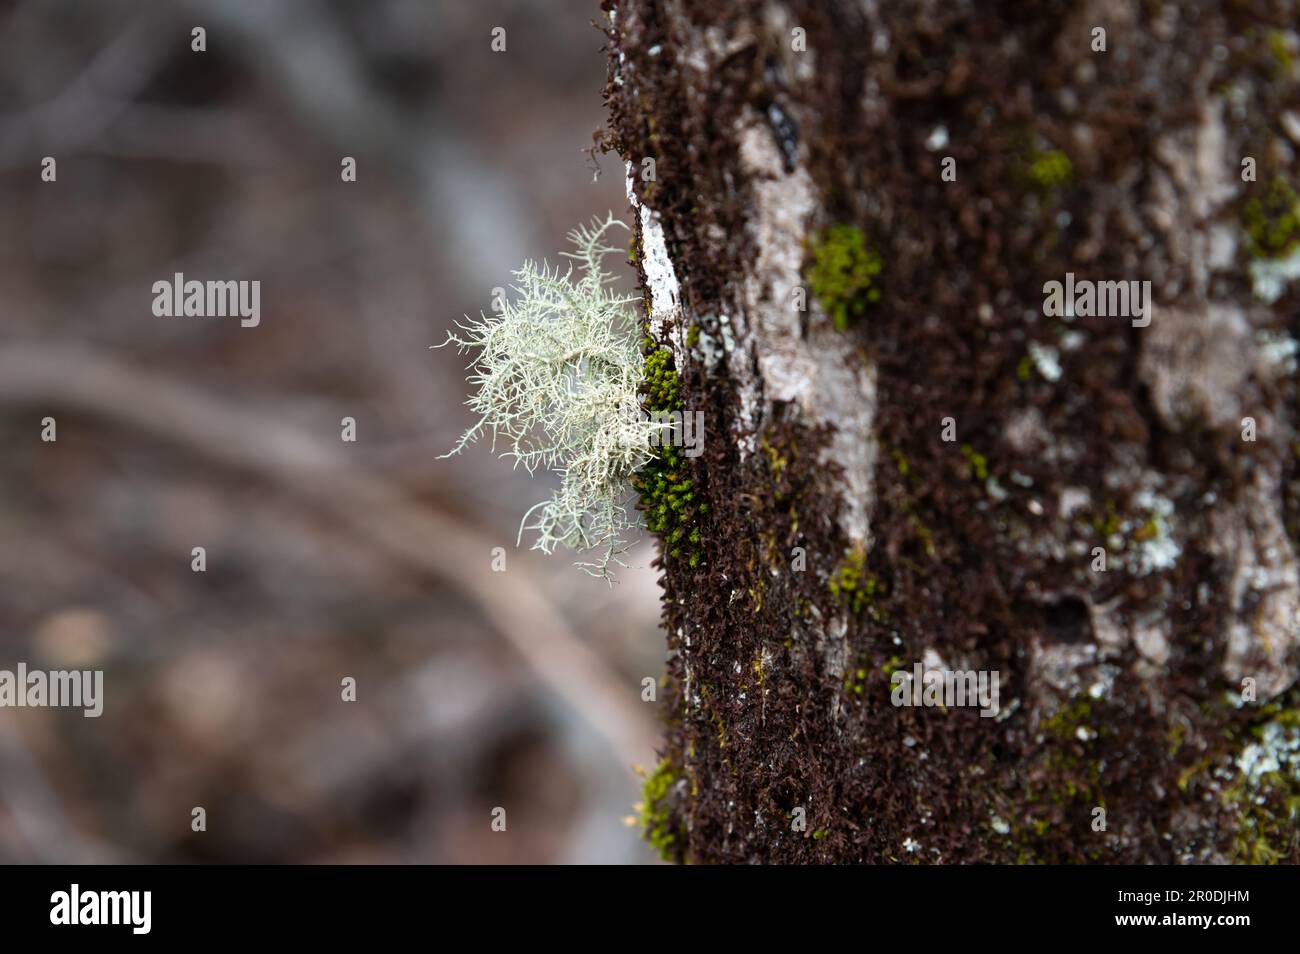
(1120, 689)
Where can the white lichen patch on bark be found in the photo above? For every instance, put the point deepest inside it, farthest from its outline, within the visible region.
(833, 645)
(1151, 639)
(821, 373)
(1277, 750)
(1270, 276)
(1203, 360)
(660, 277)
(1059, 670)
(1264, 588)
(1195, 360)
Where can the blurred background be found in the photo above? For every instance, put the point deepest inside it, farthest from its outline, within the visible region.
(373, 560)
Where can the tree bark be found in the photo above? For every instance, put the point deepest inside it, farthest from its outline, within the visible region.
(925, 466)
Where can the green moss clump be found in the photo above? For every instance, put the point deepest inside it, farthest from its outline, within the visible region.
(1272, 221)
(1148, 531)
(844, 273)
(776, 460)
(1265, 795)
(923, 535)
(1064, 722)
(1109, 525)
(901, 462)
(1283, 59)
(1051, 169)
(661, 388)
(1125, 533)
(653, 810)
(892, 665)
(977, 462)
(667, 492)
(1262, 794)
(1267, 811)
(1063, 780)
(852, 585)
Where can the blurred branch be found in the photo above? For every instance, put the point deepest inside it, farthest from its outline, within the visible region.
(307, 56)
(249, 439)
(36, 808)
(92, 101)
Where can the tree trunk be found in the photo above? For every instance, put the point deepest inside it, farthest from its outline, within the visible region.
(911, 458)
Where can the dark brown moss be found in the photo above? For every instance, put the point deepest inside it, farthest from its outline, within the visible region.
(781, 724)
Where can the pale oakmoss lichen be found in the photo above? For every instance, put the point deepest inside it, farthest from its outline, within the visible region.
(559, 373)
